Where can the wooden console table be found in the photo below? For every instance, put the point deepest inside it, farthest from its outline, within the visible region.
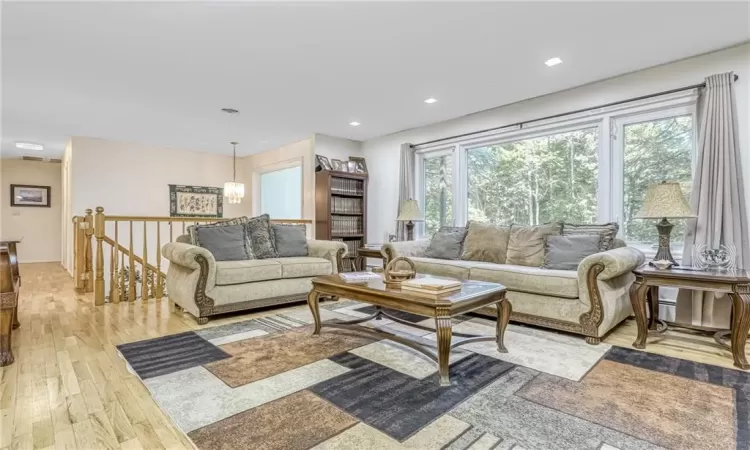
(734, 283)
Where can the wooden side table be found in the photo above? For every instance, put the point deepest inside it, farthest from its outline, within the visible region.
(368, 252)
(735, 283)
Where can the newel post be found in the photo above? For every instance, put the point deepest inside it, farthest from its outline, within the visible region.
(99, 235)
(87, 251)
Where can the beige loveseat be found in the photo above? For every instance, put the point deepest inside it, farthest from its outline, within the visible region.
(205, 287)
(590, 301)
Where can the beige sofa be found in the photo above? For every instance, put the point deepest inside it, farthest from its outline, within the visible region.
(204, 287)
(590, 301)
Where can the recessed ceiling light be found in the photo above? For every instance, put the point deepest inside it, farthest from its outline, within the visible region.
(354, 124)
(430, 100)
(29, 146)
(553, 62)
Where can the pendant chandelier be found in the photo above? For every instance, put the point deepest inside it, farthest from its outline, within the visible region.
(233, 190)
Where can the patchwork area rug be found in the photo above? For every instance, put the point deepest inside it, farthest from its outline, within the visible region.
(269, 384)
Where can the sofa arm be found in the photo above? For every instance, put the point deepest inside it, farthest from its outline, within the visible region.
(393, 250)
(604, 280)
(610, 264)
(191, 274)
(333, 251)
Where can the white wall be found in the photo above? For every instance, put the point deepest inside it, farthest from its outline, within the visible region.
(336, 148)
(382, 153)
(40, 228)
(133, 179)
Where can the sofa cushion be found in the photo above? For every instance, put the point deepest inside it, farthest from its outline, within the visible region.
(304, 266)
(290, 240)
(607, 232)
(566, 252)
(535, 280)
(226, 243)
(443, 267)
(237, 272)
(526, 244)
(486, 242)
(222, 223)
(261, 237)
(446, 243)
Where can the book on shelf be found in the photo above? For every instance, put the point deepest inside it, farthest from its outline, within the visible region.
(434, 286)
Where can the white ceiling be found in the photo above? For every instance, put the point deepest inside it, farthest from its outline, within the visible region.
(159, 73)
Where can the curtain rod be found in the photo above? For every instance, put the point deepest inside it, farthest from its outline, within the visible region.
(521, 124)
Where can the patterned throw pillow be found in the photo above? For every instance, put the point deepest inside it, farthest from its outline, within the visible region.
(446, 243)
(607, 231)
(526, 244)
(261, 237)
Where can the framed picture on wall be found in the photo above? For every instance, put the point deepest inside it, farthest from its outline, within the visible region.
(195, 201)
(28, 195)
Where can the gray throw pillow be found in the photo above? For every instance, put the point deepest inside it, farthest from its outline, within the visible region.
(261, 237)
(608, 232)
(566, 252)
(447, 243)
(225, 243)
(290, 240)
(222, 223)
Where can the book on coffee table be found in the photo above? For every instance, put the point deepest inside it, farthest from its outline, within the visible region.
(434, 286)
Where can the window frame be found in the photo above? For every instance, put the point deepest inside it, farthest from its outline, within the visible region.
(608, 121)
(257, 195)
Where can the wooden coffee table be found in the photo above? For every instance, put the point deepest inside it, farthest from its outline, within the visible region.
(472, 296)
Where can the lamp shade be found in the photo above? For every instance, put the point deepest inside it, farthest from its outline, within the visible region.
(664, 200)
(409, 211)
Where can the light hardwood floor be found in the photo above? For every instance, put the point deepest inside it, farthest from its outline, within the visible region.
(69, 388)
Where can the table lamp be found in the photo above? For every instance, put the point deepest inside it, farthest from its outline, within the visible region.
(664, 200)
(410, 213)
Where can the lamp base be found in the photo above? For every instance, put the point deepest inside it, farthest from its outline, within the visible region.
(410, 231)
(665, 229)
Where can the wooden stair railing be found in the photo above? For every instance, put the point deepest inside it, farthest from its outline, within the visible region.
(120, 270)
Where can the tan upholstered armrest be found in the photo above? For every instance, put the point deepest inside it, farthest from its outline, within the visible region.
(393, 250)
(611, 263)
(331, 250)
(184, 255)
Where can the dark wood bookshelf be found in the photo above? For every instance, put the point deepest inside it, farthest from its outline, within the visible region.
(341, 210)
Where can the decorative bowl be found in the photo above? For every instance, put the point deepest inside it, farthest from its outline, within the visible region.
(662, 264)
(715, 258)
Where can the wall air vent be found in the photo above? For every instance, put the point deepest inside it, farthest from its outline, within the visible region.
(36, 158)
(230, 110)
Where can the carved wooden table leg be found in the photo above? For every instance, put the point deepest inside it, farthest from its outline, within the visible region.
(638, 300)
(504, 310)
(653, 322)
(312, 302)
(16, 323)
(444, 326)
(6, 322)
(740, 326)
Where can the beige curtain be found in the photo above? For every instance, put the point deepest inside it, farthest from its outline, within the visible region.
(717, 197)
(405, 186)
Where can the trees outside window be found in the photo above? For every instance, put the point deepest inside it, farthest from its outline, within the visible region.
(534, 181)
(438, 193)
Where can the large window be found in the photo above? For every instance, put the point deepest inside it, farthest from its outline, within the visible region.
(535, 181)
(593, 167)
(438, 192)
(654, 150)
